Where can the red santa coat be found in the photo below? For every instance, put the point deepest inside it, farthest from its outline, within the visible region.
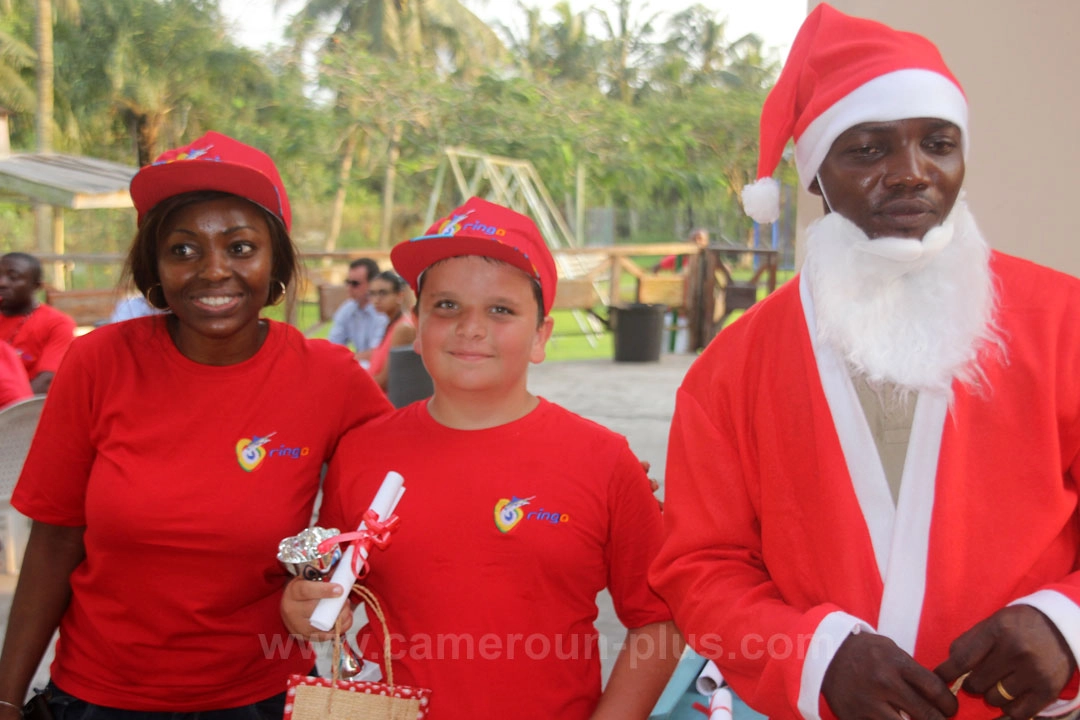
(781, 533)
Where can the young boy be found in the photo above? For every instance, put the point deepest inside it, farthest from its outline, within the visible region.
(518, 512)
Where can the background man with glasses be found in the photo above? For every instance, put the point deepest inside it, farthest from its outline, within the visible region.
(357, 322)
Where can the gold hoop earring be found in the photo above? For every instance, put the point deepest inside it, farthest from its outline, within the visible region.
(278, 297)
(148, 295)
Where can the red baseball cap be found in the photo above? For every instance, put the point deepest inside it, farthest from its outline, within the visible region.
(213, 162)
(480, 228)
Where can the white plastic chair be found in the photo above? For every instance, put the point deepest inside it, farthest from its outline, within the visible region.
(17, 425)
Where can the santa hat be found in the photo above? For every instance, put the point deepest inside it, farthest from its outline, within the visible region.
(842, 71)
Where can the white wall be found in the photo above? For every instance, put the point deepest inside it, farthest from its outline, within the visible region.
(1019, 63)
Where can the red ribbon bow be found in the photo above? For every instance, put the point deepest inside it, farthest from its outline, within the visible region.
(376, 533)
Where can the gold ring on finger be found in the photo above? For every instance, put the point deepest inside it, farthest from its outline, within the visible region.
(1004, 693)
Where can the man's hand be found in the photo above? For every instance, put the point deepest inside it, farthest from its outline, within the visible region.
(871, 678)
(299, 601)
(1018, 650)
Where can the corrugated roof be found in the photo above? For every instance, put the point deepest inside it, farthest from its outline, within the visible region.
(66, 181)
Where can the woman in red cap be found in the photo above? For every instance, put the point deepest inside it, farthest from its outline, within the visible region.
(174, 453)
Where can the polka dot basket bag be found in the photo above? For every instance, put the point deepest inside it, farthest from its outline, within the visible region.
(311, 698)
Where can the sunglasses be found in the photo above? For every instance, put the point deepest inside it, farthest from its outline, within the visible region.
(380, 293)
(354, 283)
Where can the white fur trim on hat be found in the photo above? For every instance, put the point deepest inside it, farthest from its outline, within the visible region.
(761, 200)
(897, 95)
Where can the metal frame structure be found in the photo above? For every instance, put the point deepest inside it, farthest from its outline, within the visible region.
(60, 181)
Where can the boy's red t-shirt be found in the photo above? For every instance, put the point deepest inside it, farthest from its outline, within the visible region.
(493, 606)
(186, 477)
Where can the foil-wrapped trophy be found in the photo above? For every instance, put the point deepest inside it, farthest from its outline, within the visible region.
(300, 555)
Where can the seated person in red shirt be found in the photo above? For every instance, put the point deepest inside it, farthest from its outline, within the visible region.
(699, 237)
(40, 334)
(14, 385)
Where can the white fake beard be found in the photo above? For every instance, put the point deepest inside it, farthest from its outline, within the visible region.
(915, 314)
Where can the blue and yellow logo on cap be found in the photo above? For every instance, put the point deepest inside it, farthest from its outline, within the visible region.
(455, 225)
(451, 226)
(189, 154)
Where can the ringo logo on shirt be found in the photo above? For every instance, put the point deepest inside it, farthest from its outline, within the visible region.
(251, 452)
(508, 514)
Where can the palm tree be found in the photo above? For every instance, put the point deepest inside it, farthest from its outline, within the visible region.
(626, 48)
(16, 59)
(561, 51)
(440, 34)
(165, 64)
(408, 30)
(530, 50)
(26, 37)
(574, 54)
(697, 53)
(44, 43)
(748, 67)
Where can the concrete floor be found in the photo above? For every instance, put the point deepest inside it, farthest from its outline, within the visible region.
(634, 399)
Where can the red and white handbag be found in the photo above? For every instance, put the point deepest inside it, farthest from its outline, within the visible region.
(310, 698)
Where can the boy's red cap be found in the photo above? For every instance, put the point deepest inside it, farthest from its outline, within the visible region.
(213, 162)
(480, 228)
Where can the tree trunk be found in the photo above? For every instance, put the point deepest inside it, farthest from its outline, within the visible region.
(43, 125)
(44, 42)
(147, 129)
(392, 154)
(337, 212)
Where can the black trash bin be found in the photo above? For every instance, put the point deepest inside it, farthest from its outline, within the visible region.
(408, 379)
(639, 331)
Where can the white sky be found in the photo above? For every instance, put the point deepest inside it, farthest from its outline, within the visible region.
(776, 21)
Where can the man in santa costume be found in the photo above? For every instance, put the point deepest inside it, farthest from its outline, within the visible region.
(871, 500)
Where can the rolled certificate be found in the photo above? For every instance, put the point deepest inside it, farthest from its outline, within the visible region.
(720, 705)
(326, 612)
(710, 679)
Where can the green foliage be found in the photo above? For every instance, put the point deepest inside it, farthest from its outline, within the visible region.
(660, 110)
(16, 65)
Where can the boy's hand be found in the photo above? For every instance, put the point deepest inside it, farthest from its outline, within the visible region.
(654, 485)
(299, 601)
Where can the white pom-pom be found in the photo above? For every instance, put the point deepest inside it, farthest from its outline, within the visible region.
(761, 200)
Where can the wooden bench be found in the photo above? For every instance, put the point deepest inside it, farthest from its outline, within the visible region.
(667, 290)
(575, 294)
(89, 308)
(330, 299)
